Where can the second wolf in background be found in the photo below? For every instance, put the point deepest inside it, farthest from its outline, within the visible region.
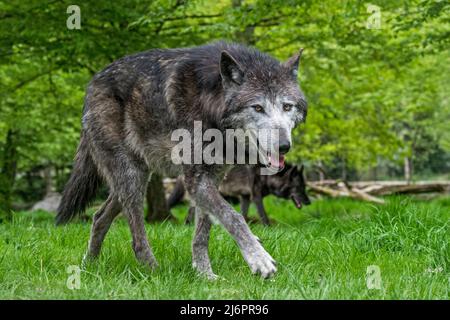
(246, 184)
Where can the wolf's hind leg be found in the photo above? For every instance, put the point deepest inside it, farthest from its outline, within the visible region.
(131, 195)
(101, 222)
(127, 177)
(200, 257)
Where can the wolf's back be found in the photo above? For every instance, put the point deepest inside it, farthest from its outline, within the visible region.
(81, 188)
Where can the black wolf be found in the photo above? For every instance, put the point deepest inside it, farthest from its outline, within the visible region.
(246, 184)
(132, 107)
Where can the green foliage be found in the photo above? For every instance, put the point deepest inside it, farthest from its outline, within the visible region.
(375, 95)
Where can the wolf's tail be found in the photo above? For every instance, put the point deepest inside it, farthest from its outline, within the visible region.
(177, 194)
(82, 186)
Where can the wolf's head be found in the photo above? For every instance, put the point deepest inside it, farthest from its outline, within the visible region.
(263, 94)
(290, 184)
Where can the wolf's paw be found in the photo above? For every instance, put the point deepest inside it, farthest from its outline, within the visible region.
(151, 263)
(259, 261)
(211, 276)
(88, 259)
(147, 259)
(203, 269)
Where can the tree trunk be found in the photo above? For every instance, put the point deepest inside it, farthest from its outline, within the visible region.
(157, 209)
(407, 167)
(321, 171)
(374, 173)
(344, 170)
(8, 175)
(49, 187)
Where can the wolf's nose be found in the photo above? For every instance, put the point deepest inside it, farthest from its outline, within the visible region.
(284, 147)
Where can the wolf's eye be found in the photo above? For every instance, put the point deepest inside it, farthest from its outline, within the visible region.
(258, 108)
(287, 107)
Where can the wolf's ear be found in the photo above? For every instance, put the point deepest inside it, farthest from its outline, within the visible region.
(230, 70)
(292, 63)
(290, 172)
(301, 169)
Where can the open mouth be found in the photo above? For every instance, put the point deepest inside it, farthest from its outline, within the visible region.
(297, 201)
(276, 161)
(271, 160)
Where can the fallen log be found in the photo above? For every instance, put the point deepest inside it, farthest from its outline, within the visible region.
(363, 184)
(350, 193)
(387, 187)
(406, 189)
(367, 197)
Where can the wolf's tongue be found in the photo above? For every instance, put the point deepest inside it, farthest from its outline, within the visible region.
(277, 161)
(297, 201)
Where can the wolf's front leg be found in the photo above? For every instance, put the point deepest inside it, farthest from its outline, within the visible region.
(200, 256)
(203, 190)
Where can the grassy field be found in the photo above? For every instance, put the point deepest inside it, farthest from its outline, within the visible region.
(323, 252)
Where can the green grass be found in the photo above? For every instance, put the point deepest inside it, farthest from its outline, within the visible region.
(322, 251)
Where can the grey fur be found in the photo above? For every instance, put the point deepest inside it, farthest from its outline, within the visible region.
(130, 111)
